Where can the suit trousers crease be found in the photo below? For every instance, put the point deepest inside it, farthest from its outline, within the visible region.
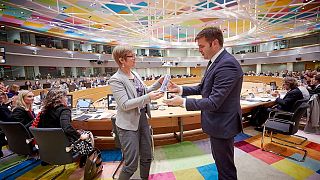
(135, 144)
(223, 154)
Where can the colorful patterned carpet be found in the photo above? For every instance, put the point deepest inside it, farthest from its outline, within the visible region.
(193, 160)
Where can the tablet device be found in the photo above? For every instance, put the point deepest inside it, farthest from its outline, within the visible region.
(165, 83)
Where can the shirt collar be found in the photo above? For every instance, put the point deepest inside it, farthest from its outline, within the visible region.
(215, 56)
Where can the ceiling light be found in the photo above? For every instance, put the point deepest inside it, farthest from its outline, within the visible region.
(22, 12)
(2, 26)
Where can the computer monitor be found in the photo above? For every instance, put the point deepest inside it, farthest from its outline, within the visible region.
(84, 104)
(111, 102)
(24, 87)
(87, 85)
(70, 101)
(46, 86)
(273, 86)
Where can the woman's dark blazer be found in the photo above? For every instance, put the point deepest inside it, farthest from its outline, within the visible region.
(19, 114)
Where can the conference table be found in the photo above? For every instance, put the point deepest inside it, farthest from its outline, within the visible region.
(170, 124)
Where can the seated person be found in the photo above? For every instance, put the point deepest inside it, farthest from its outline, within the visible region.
(5, 115)
(56, 114)
(37, 85)
(292, 96)
(316, 85)
(13, 90)
(23, 111)
(286, 104)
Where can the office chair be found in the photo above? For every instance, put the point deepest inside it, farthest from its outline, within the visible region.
(57, 153)
(19, 141)
(285, 123)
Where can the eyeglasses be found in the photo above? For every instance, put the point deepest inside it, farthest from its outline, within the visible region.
(132, 56)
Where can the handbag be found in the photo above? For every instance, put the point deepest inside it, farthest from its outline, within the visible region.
(84, 147)
(93, 165)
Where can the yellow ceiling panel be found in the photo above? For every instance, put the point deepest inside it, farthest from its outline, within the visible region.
(33, 24)
(56, 30)
(74, 9)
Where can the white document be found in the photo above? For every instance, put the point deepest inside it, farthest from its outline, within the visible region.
(165, 83)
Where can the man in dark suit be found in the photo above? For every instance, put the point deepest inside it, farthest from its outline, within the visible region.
(220, 104)
(316, 84)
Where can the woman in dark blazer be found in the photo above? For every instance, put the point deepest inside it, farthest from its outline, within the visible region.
(56, 114)
(23, 111)
(133, 98)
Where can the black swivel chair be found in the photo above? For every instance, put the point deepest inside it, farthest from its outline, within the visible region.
(285, 123)
(19, 142)
(54, 148)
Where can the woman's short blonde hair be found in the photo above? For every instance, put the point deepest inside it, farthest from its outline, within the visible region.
(20, 101)
(121, 52)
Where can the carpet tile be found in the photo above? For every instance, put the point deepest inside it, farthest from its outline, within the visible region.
(209, 171)
(193, 161)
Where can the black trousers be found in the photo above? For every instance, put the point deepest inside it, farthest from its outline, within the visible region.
(223, 154)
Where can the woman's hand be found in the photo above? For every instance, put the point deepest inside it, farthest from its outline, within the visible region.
(161, 79)
(154, 95)
(84, 136)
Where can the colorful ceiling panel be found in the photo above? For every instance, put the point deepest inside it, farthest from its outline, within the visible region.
(159, 23)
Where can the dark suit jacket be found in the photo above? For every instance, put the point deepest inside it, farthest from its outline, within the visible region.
(292, 96)
(19, 114)
(315, 91)
(220, 104)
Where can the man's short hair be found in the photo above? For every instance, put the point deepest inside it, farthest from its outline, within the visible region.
(211, 33)
(121, 52)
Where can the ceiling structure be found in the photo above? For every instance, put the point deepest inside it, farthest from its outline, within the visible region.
(163, 23)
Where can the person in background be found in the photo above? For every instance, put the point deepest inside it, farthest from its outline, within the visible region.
(304, 91)
(3, 87)
(56, 114)
(220, 103)
(133, 98)
(37, 85)
(13, 90)
(23, 111)
(29, 84)
(5, 115)
(293, 94)
(316, 85)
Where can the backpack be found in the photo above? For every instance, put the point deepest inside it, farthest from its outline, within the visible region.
(93, 165)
